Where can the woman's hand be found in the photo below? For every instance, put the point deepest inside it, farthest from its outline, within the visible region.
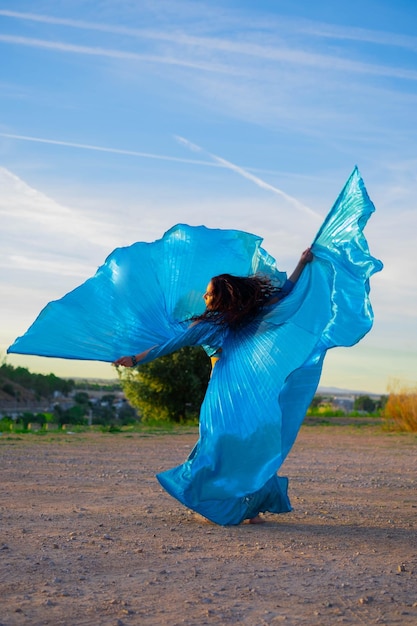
(132, 361)
(306, 256)
(127, 361)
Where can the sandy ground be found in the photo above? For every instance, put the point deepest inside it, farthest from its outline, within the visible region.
(89, 537)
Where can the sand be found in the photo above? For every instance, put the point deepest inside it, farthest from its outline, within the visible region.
(88, 537)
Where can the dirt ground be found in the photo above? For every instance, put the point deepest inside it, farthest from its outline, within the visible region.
(88, 537)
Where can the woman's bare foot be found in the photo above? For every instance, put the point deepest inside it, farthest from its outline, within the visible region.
(257, 520)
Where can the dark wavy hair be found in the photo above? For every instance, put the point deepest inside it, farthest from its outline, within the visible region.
(236, 300)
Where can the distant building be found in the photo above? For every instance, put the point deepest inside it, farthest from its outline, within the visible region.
(344, 403)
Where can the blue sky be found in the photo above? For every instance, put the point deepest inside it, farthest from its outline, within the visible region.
(119, 119)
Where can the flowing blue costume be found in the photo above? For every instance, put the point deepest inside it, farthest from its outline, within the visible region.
(268, 373)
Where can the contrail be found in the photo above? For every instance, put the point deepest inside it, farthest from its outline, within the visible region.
(218, 162)
(145, 155)
(245, 174)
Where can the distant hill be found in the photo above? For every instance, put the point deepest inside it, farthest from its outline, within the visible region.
(336, 391)
(19, 388)
(12, 393)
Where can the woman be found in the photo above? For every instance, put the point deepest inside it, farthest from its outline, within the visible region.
(272, 337)
(232, 304)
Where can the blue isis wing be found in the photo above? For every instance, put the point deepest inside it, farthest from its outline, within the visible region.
(142, 294)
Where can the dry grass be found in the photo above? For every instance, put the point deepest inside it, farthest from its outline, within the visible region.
(400, 412)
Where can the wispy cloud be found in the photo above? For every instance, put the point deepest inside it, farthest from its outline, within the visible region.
(263, 75)
(332, 31)
(204, 44)
(52, 266)
(314, 28)
(80, 24)
(59, 46)
(30, 215)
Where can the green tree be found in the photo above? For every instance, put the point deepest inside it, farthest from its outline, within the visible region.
(9, 389)
(170, 388)
(73, 415)
(127, 415)
(364, 403)
(82, 398)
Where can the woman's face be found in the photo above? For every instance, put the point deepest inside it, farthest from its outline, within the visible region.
(209, 296)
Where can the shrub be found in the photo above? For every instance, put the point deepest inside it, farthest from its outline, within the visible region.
(170, 388)
(5, 424)
(400, 411)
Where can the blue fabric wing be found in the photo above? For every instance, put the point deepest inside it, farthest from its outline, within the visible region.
(142, 294)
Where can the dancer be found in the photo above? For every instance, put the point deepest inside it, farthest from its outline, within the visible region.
(234, 301)
(141, 301)
(231, 304)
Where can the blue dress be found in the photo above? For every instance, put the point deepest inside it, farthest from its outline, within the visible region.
(260, 389)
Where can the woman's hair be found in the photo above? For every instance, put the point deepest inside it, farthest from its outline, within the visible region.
(237, 300)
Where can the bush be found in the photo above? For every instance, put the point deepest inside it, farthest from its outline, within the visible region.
(74, 415)
(170, 388)
(5, 424)
(400, 411)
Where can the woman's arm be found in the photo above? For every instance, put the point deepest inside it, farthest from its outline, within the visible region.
(194, 335)
(131, 361)
(306, 257)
